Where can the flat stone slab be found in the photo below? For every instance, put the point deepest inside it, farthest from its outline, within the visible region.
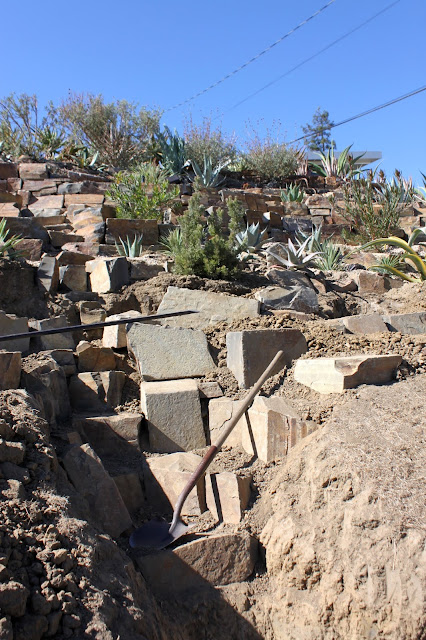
(334, 375)
(173, 412)
(212, 307)
(250, 352)
(166, 353)
(364, 323)
(215, 560)
(107, 433)
(406, 323)
(298, 298)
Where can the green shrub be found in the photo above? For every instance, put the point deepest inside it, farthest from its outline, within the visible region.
(142, 193)
(202, 140)
(269, 158)
(20, 128)
(208, 253)
(119, 131)
(374, 208)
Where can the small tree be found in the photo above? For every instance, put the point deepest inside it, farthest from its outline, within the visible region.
(318, 132)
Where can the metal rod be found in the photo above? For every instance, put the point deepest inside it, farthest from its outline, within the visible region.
(93, 325)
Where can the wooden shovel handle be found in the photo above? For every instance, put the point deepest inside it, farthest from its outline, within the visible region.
(211, 453)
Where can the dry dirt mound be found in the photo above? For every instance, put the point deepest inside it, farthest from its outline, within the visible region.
(345, 541)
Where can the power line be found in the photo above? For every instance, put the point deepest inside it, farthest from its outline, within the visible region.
(256, 57)
(283, 75)
(365, 113)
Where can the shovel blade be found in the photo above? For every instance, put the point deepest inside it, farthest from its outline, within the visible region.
(156, 535)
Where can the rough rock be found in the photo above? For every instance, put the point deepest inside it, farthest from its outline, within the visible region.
(89, 477)
(10, 324)
(116, 335)
(107, 433)
(33, 171)
(48, 274)
(406, 323)
(299, 299)
(73, 277)
(216, 559)
(250, 352)
(141, 270)
(334, 375)
(10, 369)
(166, 476)
(130, 488)
(93, 358)
(212, 307)
(227, 496)
(46, 381)
(364, 323)
(54, 340)
(166, 353)
(121, 228)
(13, 599)
(173, 412)
(108, 275)
(96, 391)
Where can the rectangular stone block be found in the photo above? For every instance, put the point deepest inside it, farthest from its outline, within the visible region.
(406, 323)
(108, 433)
(31, 248)
(250, 352)
(167, 353)
(54, 341)
(109, 274)
(33, 171)
(84, 198)
(364, 324)
(141, 270)
(227, 496)
(212, 307)
(334, 375)
(121, 228)
(96, 392)
(10, 324)
(173, 413)
(116, 335)
(221, 410)
(48, 274)
(47, 202)
(41, 187)
(10, 369)
(8, 170)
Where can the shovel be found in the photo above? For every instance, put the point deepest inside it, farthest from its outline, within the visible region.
(158, 534)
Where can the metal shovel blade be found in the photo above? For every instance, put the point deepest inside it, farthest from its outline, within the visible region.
(157, 534)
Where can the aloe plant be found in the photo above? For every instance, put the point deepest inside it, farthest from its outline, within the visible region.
(296, 257)
(293, 193)
(129, 248)
(209, 176)
(8, 243)
(251, 239)
(342, 167)
(409, 256)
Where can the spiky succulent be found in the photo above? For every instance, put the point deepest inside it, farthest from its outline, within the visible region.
(209, 176)
(251, 239)
(296, 257)
(129, 248)
(330, 255)
(410, 256)
(8, 243)
(293, 193)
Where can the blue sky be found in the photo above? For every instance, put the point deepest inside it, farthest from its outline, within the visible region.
(159, 54)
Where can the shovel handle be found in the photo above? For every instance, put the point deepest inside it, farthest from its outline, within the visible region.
(211, 453)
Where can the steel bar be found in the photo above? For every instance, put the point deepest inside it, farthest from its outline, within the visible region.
(93, 325)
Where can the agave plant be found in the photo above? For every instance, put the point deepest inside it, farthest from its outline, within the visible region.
(210, 176)
(251, 239)
(173, 242)
(296, 257)
(293, 193)
(51, 141)
(331, 166)
(173, 153)
(8, 243)
(410, 256)
(330, 255)
(130, 248)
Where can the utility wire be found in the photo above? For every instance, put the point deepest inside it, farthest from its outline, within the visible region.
(364, 113)
(283, 75)
(256, 57)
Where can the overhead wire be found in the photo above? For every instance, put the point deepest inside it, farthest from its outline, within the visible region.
(312, 57)
(253, 59)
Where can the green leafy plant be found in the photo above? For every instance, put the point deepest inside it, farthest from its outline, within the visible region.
(409, 256)
(373, 207)
(142, 193)
(209, 176)
(270, 158)
(297, 258)
(331, 166)
(173, 243)
(50, 141)
(393, 261)
(20, 125)
(130, 248)
(8, 243)
(204, 140)
(251, 240)
(173, 151)
(293, 193)
(204, 252)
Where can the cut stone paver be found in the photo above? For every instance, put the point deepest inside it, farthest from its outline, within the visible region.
(166, 476)
(108, 275)
(116, 335)
(214, 559)
(406, 323)
(10, 324)
(221, 410)
(10, 369)
(227, 496)
(166, 353)
(334, 375)
(92, 481)
(212, 307)
(250, 352)
(173, 412)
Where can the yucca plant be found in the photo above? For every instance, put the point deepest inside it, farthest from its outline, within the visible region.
(8, 243)
(172, 243)
(296, 257)
(331, 166)
(293, 193)
(250, 240)
(209, 176)
(130, 248)
(410, 256)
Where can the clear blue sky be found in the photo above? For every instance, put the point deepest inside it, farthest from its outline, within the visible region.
(160, 53)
